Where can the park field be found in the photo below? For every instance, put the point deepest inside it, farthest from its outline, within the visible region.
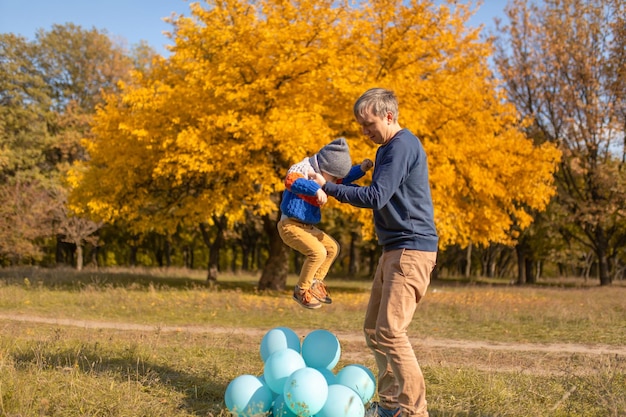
(165, 343)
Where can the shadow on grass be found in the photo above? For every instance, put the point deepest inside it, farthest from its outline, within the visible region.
(200, 394)
(576, 283)
(469, 282)
(68, 279)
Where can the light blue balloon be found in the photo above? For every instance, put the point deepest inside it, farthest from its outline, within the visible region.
(305, 392)
(280, 409)
(330, 376)
(262, 379)
(279, 366)
(342, 402)
(279, 338)
(360, 379)
(321, 349)
(247, 396)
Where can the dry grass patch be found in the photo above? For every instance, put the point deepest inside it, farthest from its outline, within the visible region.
(159, 345)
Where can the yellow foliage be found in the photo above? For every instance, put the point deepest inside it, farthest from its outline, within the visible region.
(253, 86)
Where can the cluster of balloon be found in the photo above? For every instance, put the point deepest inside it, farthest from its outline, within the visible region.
(298, 380)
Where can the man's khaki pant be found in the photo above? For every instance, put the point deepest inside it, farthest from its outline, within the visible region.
(401, 279)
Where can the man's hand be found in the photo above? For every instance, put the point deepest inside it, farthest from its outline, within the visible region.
(366, 165)
(318, 178)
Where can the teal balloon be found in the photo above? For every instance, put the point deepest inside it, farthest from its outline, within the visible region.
(262, 379)
(279, 338)
(248, 396)
(305, 392)
(321, 349)
(280, 409)
(360, 379)
(330, 376)
(279, 366)
(342, 402)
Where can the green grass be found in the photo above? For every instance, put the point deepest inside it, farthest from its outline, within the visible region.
(176, 366)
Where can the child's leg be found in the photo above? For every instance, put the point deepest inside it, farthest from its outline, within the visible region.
(332, 251)
(318, 289)
(304, 239)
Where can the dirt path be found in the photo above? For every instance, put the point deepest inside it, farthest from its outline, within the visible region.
(566, 348)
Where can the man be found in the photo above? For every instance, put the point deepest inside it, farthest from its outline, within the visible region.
(403, 217)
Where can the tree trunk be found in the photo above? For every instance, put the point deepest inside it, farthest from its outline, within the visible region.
(245, 257)
(373, 262)
(132, 257)
(168, 252)
(531, 277)
(468, 261)
(353, 260)
(601, 252)
(158, 253)
(214, 247)
(79, 258)
(603, 271)
(233, 261)
(64, 251)
(274, 276)
(94, 256)
(521, 263)
(188, 256)
(59, 251)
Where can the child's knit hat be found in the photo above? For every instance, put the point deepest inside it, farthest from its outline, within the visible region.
(333, 158)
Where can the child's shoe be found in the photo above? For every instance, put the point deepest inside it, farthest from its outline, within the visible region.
(305, 298)
(319, 291)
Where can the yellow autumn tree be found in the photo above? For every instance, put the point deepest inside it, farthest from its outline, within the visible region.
(253, 86)
(486, 176)
(211, 131)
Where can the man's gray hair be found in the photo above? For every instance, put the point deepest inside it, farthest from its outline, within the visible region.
(377, 101)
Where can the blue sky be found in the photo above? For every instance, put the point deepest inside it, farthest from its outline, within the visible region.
(131, 21)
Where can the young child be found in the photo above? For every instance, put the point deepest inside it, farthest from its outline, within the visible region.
(300, 209)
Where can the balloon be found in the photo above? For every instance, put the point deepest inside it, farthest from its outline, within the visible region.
(305, 392)
(360, 379)
(321, 349)
(277, 339)
(262, 379)
(279, 366)
(331, 378)
(342, 402)
(246, 396)
(280, 409)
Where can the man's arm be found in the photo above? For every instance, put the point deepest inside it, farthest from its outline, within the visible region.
(389, 173)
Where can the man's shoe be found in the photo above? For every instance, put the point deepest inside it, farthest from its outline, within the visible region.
(305, 298)
(375, 410)
(319, 291)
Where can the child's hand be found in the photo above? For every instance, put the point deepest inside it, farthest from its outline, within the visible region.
(322, 198)
(366, 165)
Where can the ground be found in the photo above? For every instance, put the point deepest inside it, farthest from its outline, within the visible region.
(488, 356)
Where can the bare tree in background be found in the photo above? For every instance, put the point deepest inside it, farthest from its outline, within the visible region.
(563, 64)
